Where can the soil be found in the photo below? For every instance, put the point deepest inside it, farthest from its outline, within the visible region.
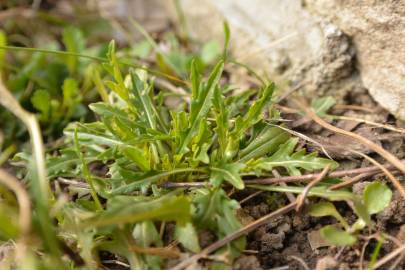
(284, 242)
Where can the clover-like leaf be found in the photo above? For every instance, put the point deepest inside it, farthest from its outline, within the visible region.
(337, 237)
(376, 196)
(327, 209)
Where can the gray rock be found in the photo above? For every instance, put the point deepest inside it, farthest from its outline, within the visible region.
(377, 30)
(318, 42)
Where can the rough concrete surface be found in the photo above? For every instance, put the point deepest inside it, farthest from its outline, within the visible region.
(333, 46)
(377, 30)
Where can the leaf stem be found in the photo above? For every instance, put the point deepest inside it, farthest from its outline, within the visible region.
(86, 173)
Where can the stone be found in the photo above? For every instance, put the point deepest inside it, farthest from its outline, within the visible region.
(332, 47)
(377, 30)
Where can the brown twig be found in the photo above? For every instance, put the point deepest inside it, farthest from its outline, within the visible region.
(185, 184)
(390, 176)
(304, 137)
(158, 251)
(174, 89)
(251, 196)
(289, 195)
(364, 121)
(363, 251)
(227, 239)
(301, 198)
(353, 107)
(117, 262)
(389, 256)
(307, 177)
(73, 183)
(301, 261)
(378, 149)
(290, 91)
(351, 181)
(397, 261)
(286, 179)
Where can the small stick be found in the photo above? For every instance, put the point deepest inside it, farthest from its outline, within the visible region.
(364, 121)
(389, 256)
(307, 177)
(251, 196)
(397, 261)
(390, 176)
(363, 251)
(289, 195)
(290, 91)
(301, 198)
(158, 251)
(378, 149)
(117, 262)
(74, 183)
(301, 261)
(351, 181)
(233, 236)
(286, 179)
(174, 89)
(353, 107)
(185, 184)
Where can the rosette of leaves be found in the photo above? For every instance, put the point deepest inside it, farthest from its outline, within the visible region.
(376, 197)
(142, 144)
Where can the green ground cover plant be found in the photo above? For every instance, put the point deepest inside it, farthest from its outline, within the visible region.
(106, 191)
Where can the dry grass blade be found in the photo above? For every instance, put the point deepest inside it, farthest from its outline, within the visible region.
(390, 176)
(289, 195)
(243, 231)
(351, 181)
(251, 196)
(304, 137)
(23, 199)
(288, 179)
(301, 198)
(301, 261)
(390, 256)
(73, 183)
(308, 177)
(354, 108)
(397, 261)
(172, 88)
(158, 251)
(378, 149)
(364, 121)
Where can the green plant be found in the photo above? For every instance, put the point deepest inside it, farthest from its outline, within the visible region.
(109, 188)
(220, 136)
(376, 197)
(56, 88)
